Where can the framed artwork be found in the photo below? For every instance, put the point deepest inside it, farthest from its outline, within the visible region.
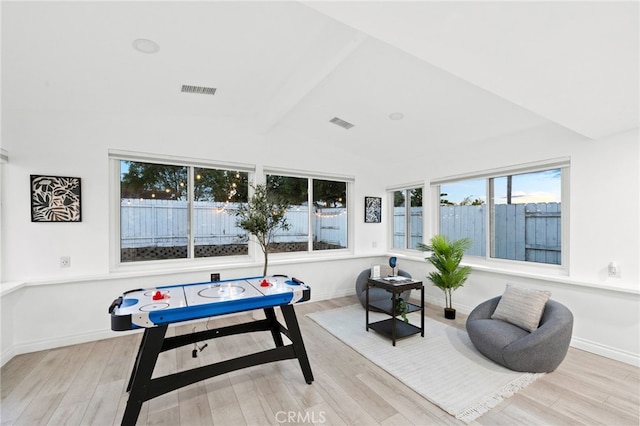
(55, 199)
(372, 209)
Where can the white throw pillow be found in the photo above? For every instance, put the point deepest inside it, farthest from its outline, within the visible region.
(521, 307)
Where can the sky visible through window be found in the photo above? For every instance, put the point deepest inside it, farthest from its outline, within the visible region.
(536, 187)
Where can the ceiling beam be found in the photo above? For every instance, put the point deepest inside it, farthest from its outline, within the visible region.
(298, 85)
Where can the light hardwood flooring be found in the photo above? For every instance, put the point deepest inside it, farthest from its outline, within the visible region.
(85, 385)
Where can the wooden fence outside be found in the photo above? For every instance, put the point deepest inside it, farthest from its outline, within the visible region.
(400, 225)
(529, 232)
(152, 223)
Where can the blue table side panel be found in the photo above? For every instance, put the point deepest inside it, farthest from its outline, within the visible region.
(169, 316)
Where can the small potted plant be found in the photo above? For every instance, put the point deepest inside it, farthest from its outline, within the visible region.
(261, 217)
(449, 275)
(402, 308)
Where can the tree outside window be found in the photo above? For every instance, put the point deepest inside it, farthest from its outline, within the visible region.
(317, 214)
(178, 212)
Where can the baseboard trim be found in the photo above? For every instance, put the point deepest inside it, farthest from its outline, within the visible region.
(576, 342)
(7, 355)
(46, 344)
(606, 351)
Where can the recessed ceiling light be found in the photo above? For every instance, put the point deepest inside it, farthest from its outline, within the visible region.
(144, 45)
(396, 116)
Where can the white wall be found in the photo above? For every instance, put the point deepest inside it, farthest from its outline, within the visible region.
(44, 305)
(604, 226)
(77, 145)
(604, 188)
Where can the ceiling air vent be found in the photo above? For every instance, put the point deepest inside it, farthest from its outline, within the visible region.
(340, 122)
(198, 90)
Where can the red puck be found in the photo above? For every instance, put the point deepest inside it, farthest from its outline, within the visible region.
(158, 295)
(264, 283)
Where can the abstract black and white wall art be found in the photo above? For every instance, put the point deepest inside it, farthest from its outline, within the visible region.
(372, 209)
(55, 199)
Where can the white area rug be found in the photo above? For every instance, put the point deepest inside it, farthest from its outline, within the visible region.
(444, 366)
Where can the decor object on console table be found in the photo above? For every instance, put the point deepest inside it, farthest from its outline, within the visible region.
(402, 307)
(393, 261)
(446, 256)
(378, 295)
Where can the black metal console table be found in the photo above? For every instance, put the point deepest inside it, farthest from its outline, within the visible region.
(395, 328)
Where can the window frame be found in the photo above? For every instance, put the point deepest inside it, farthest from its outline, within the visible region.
(563, 163)
(390, 213)
(114, 158)
(310, 176)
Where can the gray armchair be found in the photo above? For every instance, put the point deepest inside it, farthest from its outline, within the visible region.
(510, 346)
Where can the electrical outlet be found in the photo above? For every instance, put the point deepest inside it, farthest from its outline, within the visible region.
(614, 270)
(65, 262)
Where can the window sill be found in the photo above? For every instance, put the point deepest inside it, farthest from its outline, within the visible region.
(563, 279)
(543, 273)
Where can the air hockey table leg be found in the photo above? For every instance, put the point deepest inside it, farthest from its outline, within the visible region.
(291, 320)
(270, 313)
(150, 348)
(133, 371)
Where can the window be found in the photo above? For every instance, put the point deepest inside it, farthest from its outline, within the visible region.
(463, 213)
(173, 211)
(407, 218)
(317, 213)
(510, 214)
(329, 218)
(294, 190)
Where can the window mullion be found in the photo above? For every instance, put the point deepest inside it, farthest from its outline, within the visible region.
(116, 206)
(564, 222)
(407, 218)
(311, 211)
(490, 222)
(190, 213)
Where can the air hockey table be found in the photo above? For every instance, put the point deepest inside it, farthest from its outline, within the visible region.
(154, 309)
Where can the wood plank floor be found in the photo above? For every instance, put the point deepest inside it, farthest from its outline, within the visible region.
(85, 385)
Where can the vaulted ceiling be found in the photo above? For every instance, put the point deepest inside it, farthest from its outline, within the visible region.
(456, 71)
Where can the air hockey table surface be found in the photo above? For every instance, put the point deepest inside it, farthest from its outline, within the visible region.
(144, 308)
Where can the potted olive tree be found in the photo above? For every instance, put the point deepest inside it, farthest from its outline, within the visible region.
(262, 216)
(449, 275)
